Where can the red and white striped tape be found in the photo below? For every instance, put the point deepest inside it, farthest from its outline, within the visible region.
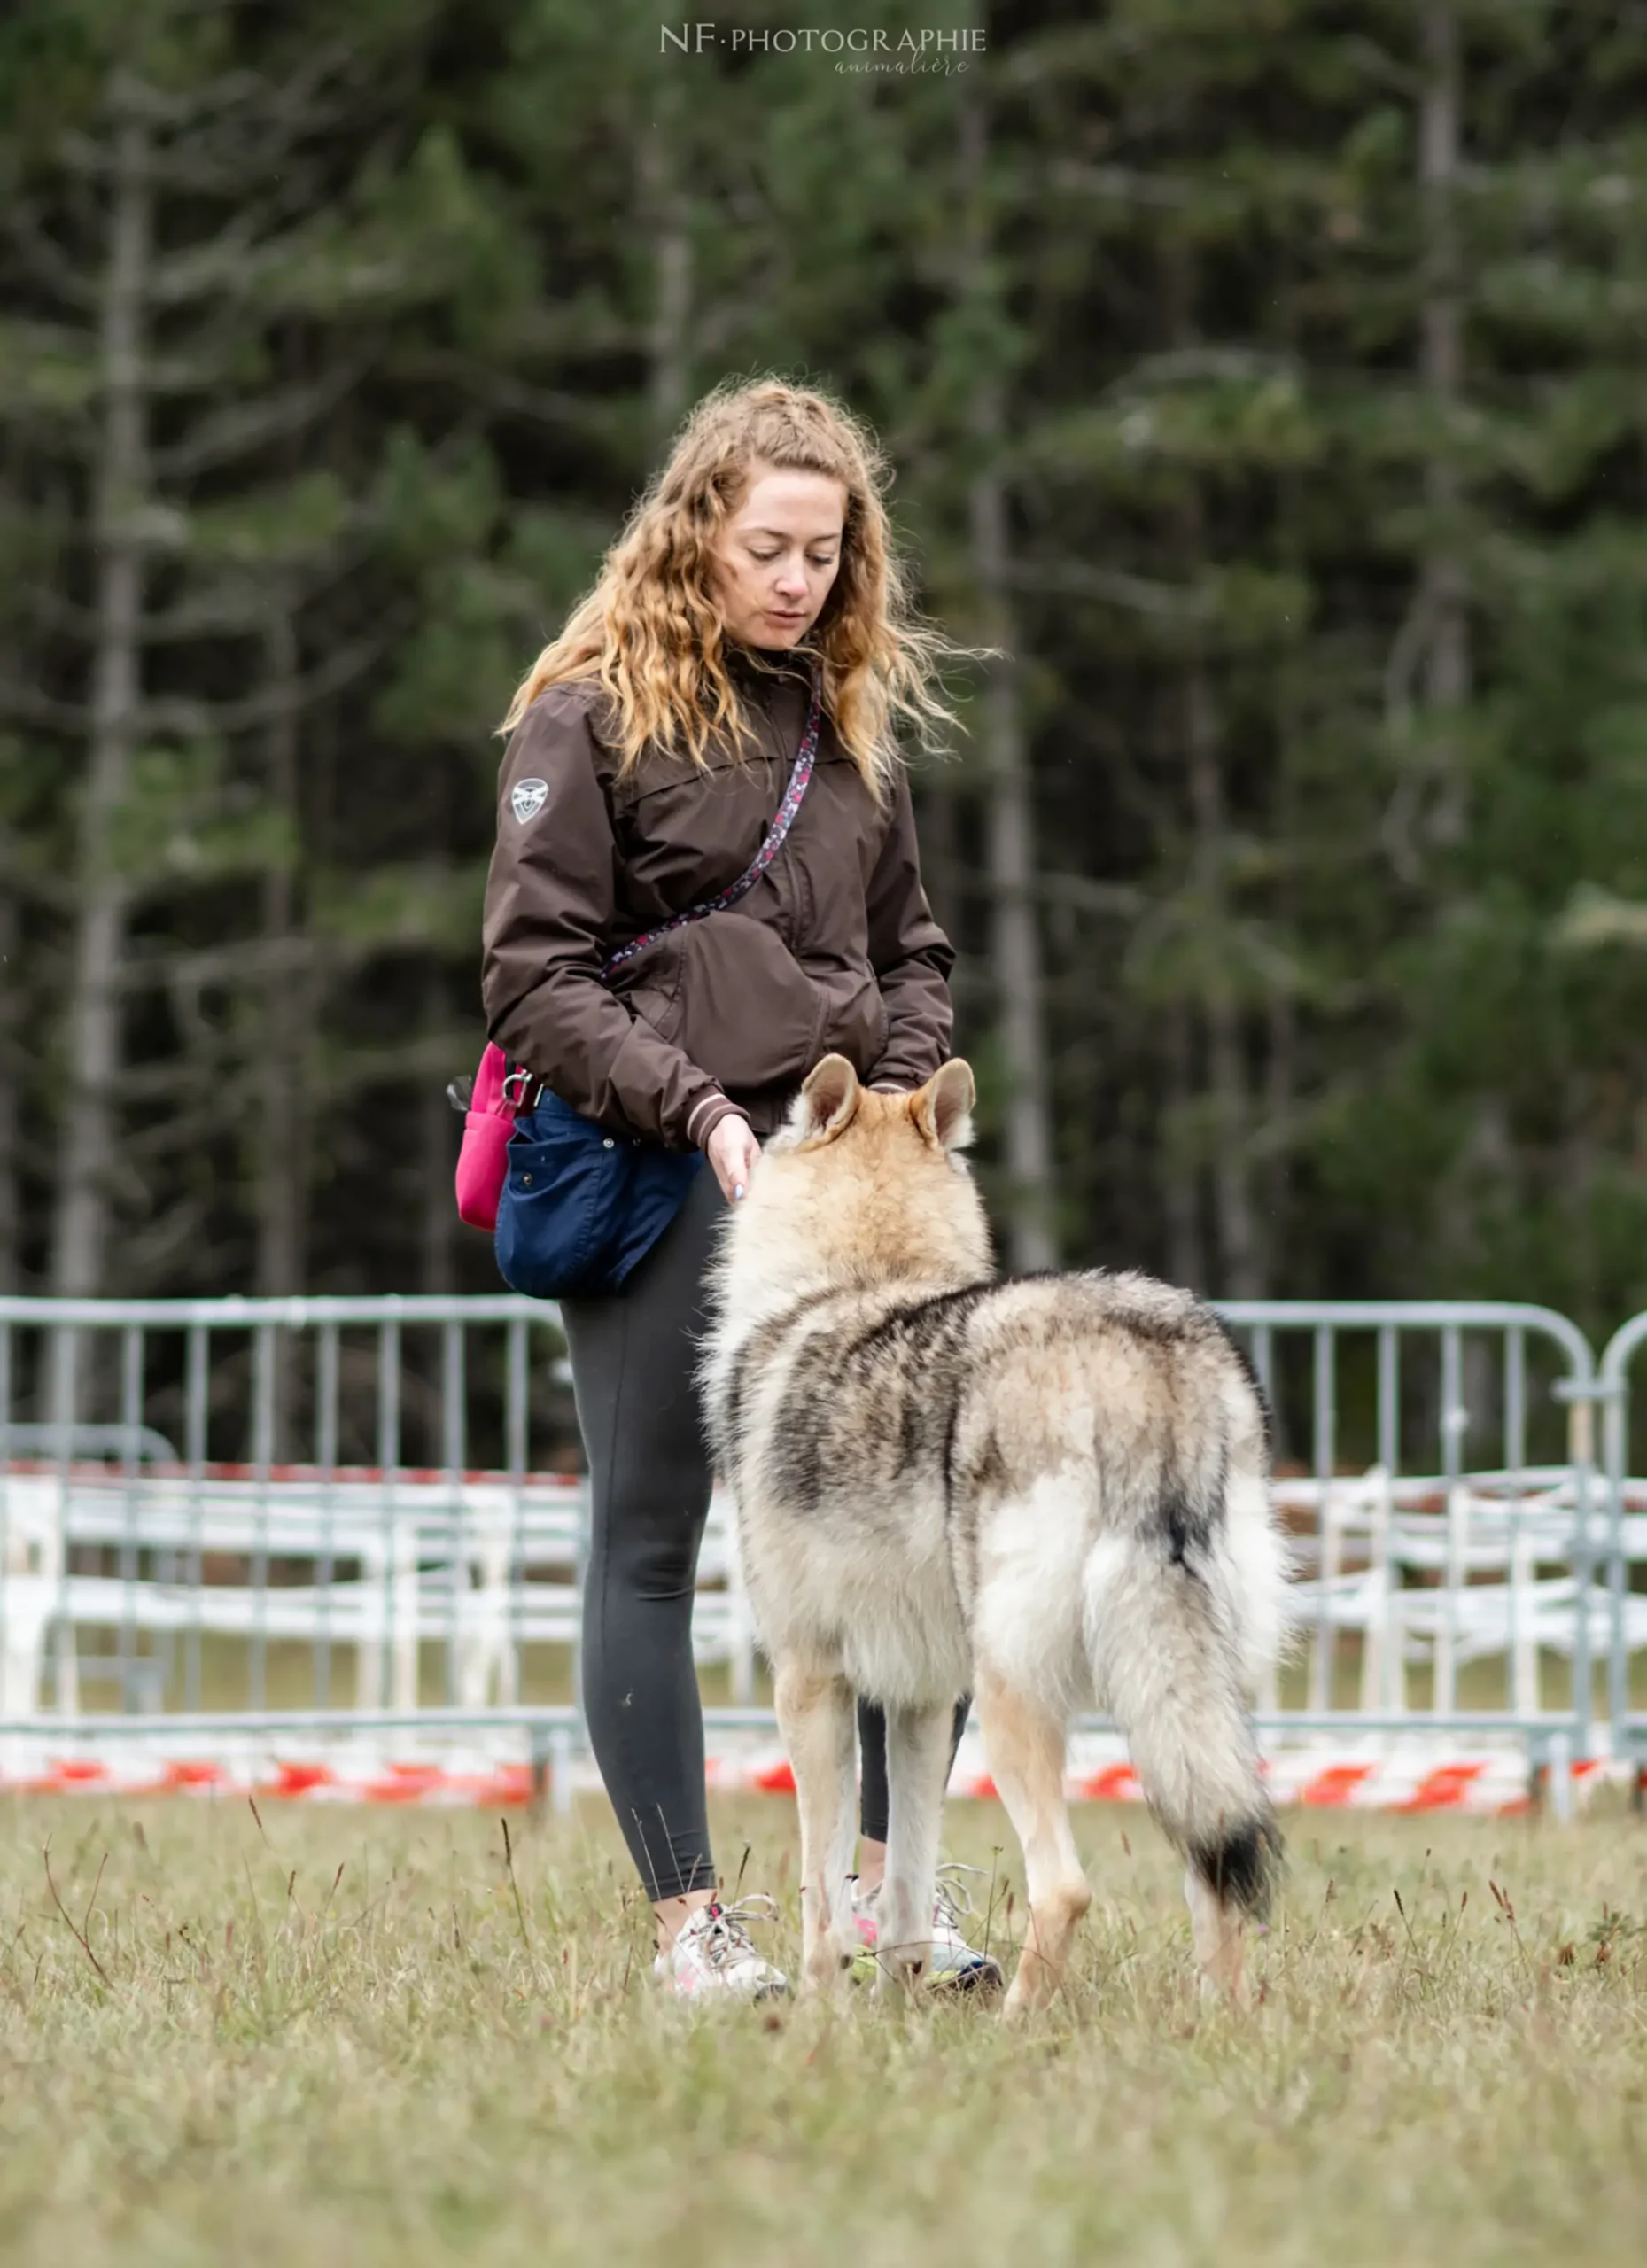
(1416, 1776)
(120, 1772)
(1491, 1783)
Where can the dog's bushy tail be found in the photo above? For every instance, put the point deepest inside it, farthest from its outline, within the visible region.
(1168, 1619)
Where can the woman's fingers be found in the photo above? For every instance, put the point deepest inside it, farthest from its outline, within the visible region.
(731, 1150)
(748, 1152)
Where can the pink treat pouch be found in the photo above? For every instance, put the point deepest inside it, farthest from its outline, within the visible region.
(483, 1160)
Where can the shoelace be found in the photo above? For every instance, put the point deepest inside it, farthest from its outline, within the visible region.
(727, 1931)
(953, 1899)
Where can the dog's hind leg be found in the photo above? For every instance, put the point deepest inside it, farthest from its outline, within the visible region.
(817, 1718)
(1025, 1746)
(1219, 1929)
(918, 1756)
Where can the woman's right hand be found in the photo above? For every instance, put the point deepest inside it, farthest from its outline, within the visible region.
(732, 1150)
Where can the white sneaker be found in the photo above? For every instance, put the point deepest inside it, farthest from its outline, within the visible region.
(715, 1954)
(955, 1965)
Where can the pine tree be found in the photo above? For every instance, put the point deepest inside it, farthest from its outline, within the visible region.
(225, 267)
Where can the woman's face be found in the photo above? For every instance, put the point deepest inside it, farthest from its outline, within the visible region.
(778, 555)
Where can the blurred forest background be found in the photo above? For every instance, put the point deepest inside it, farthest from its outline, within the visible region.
(1267, 379)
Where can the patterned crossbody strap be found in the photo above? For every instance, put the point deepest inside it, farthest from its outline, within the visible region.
(783, 819)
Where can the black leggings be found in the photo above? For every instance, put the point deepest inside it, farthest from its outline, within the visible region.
(871, 1746)
(633, 1356)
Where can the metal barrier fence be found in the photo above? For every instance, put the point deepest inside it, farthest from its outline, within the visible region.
(1425, 1445)
(234, 1512)
(1626, 1543)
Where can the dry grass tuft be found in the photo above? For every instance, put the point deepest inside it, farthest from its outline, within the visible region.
(334, 2036)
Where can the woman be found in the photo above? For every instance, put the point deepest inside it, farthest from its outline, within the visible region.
(651, 745)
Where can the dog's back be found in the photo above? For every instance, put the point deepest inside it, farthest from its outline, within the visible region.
(1025, 1466)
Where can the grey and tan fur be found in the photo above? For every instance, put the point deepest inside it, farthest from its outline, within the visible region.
(1051, 1492)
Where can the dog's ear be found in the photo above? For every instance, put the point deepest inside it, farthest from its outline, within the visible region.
(943, 1106)
(829, 1094)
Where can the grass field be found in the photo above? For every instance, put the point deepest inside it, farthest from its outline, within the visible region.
(350, 2037)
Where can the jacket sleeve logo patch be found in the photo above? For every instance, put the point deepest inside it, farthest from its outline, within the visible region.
(527, 798)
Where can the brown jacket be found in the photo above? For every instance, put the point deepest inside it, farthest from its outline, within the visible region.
(834, 949)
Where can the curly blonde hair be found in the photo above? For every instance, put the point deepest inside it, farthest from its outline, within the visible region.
(649, 630)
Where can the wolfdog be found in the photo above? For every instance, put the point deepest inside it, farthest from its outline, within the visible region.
(1049, 1491)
